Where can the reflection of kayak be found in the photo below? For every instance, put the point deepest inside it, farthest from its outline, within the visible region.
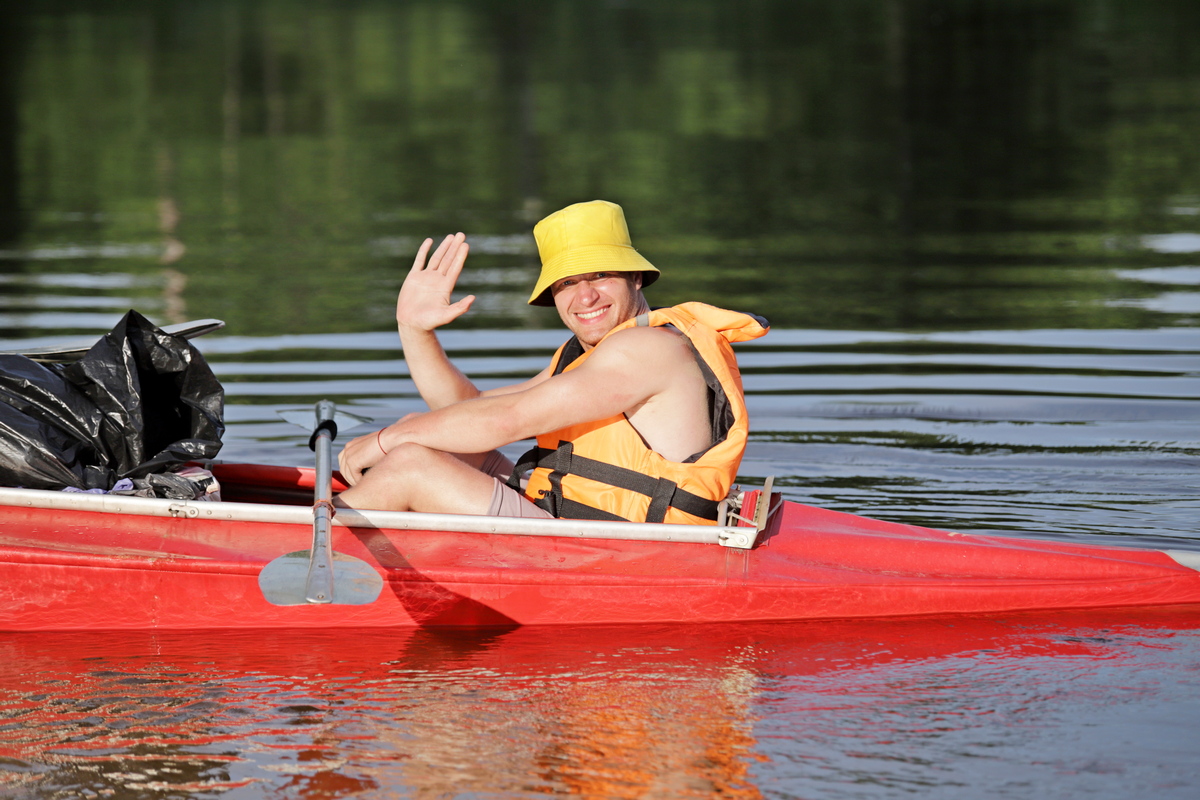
(78, 561)
(706, 710)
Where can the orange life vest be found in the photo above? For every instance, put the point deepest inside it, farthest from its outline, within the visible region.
(604, 469)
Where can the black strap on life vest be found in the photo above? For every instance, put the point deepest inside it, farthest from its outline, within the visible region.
(572, 350)
(663, 493)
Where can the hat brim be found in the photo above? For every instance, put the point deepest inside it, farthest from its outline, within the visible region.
(591, 258)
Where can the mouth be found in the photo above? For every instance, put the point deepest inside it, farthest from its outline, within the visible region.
(588, 316)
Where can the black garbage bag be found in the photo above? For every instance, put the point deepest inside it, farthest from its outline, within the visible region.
(140, 402)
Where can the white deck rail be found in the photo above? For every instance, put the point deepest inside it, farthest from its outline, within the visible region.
(727, 536)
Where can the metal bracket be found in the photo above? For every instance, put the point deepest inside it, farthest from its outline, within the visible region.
(733, 538)
(745, 538)
(183, 510)
(762, 511)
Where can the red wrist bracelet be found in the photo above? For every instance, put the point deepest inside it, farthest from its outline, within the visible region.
(379, 441)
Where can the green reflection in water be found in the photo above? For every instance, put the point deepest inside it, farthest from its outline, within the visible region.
(909, 164)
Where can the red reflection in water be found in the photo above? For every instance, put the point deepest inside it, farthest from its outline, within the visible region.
(647, 711)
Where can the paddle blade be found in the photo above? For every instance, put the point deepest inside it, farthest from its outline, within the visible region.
(355, 582)
(304, 418)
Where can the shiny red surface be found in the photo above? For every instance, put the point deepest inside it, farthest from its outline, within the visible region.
(75, 570)
(691, 711)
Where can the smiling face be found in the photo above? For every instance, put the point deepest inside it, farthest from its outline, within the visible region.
(594, 303)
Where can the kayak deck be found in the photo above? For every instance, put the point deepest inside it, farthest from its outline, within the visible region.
(177, 565)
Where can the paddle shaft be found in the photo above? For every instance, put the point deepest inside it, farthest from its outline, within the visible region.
(320, 576)
(318, 587)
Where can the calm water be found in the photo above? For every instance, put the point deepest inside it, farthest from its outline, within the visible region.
(974, 225)
(1070, 707)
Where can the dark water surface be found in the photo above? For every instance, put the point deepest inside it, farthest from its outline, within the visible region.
(974, 224)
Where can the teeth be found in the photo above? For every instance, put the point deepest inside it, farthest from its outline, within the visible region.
(591, 314)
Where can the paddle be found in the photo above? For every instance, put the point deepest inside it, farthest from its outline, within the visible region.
(74, 351)
(320, 575)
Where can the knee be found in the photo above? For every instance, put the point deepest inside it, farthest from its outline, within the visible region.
(393, 482)
(408, 460)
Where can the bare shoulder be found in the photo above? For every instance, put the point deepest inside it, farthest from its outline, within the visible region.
(645, 343)
(655, 358)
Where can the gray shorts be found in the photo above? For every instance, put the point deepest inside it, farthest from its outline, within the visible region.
(507, 501)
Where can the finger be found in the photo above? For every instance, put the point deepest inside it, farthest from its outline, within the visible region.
(437, 255)
(348, 464)
(440, 254)
(455, 244)
(352, 476)
(458, 259)
(419, 261)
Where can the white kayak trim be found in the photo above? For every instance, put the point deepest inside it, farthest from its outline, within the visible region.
(727, 536)
(1187, 558)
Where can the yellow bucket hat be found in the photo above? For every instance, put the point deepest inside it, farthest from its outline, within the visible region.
(583, 238)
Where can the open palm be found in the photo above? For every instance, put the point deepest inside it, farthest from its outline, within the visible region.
(424, 301)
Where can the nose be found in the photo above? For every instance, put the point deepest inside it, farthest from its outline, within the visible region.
(587, 293)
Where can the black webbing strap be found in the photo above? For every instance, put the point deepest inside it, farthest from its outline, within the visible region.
(572, 350)
(661, 500)
(663, 493)
(548, 502)
(571, 509)
(562, 466)
(526, 462)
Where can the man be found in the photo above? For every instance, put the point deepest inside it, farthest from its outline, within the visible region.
(639, 416)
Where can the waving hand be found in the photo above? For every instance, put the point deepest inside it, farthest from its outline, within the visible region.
(424, 301)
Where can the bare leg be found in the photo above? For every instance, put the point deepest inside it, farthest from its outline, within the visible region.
(416, 478)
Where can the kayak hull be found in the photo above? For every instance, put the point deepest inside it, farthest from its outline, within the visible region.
(96, 569)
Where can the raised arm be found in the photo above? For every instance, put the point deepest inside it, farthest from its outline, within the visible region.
(422, 307)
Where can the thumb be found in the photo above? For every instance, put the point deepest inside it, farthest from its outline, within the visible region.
(461, 306)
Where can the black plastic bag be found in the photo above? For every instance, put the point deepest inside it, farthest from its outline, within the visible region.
(140, 402)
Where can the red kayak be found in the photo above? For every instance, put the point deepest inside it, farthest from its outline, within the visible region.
(73, 561)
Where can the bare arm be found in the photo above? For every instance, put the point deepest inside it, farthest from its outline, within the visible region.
(422, 307)
(626, 372)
